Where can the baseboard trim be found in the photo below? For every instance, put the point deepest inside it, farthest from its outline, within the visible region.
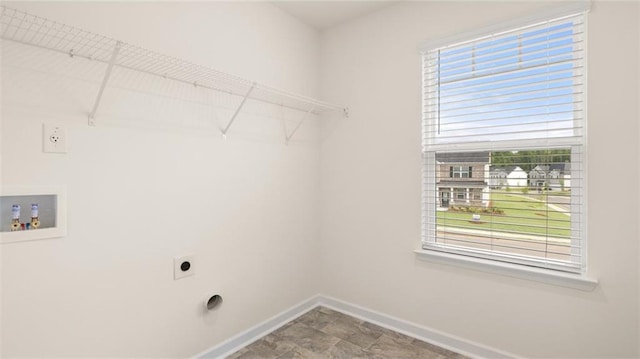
(429, 335)
(433, 336)
(256, 332)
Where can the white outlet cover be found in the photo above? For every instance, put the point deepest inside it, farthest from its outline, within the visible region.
(184, 266)
(54, 138)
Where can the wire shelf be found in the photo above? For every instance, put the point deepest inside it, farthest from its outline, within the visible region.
(29, 29)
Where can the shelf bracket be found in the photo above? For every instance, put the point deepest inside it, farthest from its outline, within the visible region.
(107, 74)
(235, 114)
(287, 137)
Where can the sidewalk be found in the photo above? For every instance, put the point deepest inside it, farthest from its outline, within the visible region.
(552, 206)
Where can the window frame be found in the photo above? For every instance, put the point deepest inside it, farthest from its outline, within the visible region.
(429, 246)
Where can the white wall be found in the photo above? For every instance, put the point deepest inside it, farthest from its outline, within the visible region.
(371, 189)
(1, 152)
(140, 195)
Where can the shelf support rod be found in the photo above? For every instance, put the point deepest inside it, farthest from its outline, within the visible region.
(235, 114)
(288, 137)
(107, 74)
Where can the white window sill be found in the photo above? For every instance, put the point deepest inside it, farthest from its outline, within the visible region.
(563, 279)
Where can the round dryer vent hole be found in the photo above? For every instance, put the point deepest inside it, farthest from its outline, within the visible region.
(214, 302)
(185, 266)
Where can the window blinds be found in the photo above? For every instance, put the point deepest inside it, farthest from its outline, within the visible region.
(520, 84)
(509, 106)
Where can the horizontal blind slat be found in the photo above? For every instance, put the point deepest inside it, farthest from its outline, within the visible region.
(550, 67)
(532, 80)
(555, 100)
(545, 119)
(498, 92)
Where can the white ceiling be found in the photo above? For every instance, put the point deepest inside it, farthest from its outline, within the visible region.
(325, 14)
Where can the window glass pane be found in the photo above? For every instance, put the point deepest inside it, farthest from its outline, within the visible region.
(529, 212)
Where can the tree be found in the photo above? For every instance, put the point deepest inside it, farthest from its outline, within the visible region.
(528, 159)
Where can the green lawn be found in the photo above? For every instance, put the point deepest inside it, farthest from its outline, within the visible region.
(522, 215)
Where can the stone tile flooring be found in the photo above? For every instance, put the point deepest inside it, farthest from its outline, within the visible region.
(325, 333)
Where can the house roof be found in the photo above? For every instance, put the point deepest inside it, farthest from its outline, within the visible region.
(506, 169)
(463, 157)
(560, 167)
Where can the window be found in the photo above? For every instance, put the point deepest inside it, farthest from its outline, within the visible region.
(512, 104)
(460, 193)
(459, 171)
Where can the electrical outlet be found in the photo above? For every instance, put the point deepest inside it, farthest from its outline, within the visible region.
(183, 266)
(54, 138)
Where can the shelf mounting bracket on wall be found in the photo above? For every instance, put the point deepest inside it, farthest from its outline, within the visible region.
(107, 74)
(287, 137)
(235, 114)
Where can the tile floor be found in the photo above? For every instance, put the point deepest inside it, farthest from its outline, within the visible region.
(325, 333)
